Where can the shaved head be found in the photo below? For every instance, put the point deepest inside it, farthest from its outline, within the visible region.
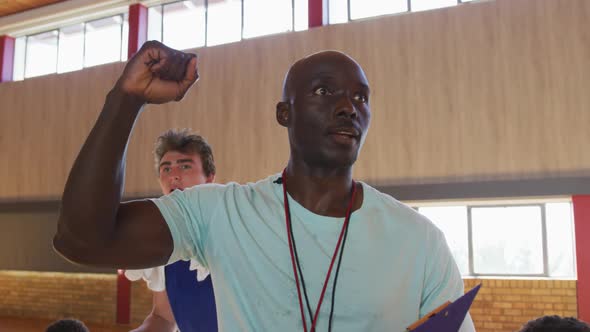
(306, 67)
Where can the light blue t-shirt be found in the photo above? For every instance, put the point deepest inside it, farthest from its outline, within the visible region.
(396, 265)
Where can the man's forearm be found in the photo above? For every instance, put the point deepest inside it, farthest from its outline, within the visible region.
(95, 185)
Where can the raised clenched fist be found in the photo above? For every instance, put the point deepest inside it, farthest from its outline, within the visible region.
(158, 74)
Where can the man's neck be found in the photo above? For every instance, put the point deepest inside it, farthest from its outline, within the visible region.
(320, 190)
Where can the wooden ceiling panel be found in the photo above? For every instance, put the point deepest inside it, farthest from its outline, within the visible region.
(8, 7)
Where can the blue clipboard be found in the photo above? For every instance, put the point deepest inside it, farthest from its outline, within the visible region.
(450, 317)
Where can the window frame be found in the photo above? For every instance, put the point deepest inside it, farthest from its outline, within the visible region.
(470, 252)
(59, 43)
(206, 3)
(26, 53)
(541, 203)
(162, 11)
(121, 46)
(409, 10)
(84, 42)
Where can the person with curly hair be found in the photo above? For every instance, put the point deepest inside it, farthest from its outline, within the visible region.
(555, 324)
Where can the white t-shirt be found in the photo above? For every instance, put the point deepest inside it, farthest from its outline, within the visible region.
(396, 265)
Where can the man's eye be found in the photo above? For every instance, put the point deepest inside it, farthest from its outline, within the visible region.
(322, 91)
(166, 170)
(361, 98)
(185, 167)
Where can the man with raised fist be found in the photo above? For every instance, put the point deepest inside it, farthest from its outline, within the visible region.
(305, 249)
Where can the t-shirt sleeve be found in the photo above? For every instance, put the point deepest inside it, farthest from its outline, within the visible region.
(188, 214)
(155, 277)
(442, 277)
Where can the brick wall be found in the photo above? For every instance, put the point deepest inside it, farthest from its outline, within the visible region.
(505, 305)
(502, 305)
(50, 295)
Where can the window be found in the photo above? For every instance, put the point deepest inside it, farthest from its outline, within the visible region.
(301, 15)
(184, 24)
(155, 23)
(431, 4)
(337, 11)
(103, 40)
(513, 240)
(71, 48)
(224, 22)
(189, 24)
(125, 37)
(18, 70)
(560, 239)
(41, 54)
(368, 8)
(452, 220)
(263, 17)
(507, 240)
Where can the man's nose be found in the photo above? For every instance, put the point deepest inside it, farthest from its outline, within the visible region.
(175, 174)
(345, 108)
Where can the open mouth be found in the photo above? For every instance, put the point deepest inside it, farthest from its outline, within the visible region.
(344, 135)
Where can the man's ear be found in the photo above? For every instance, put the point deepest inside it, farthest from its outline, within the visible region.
(210, 178)
(283, 113)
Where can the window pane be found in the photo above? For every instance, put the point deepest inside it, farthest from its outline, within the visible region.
(18, 70)
(301, 15)
(225, 22)
(103, 41)
(452, 221)
(431, 4)
(184, 24)
(264, 17)
(71, 48)
(337, 11)
(560, 239)
(41, 54)
(155, 23)
(507, 240)
(368, 8)
(125, 37)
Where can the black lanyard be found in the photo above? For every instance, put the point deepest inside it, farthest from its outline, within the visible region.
(297, 267)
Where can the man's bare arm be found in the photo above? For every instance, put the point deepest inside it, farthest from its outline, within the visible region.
(94, 227)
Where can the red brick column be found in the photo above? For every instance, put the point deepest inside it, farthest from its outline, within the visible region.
(138, 21)
(6, 58)
(582, 226)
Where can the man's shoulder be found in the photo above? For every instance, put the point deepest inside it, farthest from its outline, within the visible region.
(263, 184)
(212, 196)
(395, 210)
(379, 200)
(216, 190)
